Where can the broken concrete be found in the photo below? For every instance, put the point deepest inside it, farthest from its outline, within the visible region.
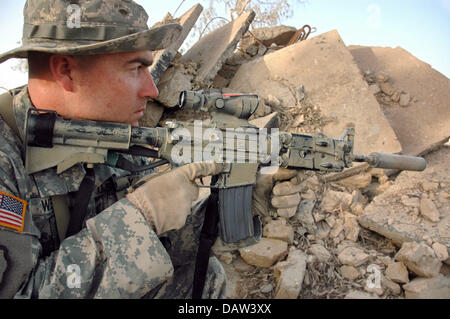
(279, 36)
(351, 227)
(357, 181)
(388, 215)
(269, 121)
(425, 123)
(440, 251)
(339, 91)
(321, 253)
(428, 288)
(277, 229)
(420, 259)
(390, 285)
(211, 51)
(163, 58)
(349, 272)
(397, 272)
(352, 256)
(289, 275)
(265, 253)
(293, 97)
(428, 210)
(335, 200)
(200, 64)
(176, 79)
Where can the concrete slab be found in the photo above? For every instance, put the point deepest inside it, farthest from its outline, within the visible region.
(331, 80)
(211, 51)
(396, 214)
(421, 125)
(163, 58)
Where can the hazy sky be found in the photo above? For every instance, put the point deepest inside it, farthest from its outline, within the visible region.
(422, 27)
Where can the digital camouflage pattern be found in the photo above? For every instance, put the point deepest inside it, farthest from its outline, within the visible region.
(119, 255)
(104, 27)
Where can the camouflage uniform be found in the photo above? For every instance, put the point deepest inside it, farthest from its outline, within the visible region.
(117, 253)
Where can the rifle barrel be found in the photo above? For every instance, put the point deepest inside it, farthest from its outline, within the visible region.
(393, 161)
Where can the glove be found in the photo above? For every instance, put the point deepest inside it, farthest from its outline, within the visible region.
(284, 197)
(165, 200)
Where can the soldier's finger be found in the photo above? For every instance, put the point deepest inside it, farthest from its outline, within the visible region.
(283, 174)
(286, 188)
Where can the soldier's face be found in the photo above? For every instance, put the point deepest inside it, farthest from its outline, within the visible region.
(114, 87)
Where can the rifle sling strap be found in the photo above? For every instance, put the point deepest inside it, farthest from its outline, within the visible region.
(208, 237)
(82, 198)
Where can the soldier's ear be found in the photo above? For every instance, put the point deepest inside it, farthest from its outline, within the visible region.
(62, 68)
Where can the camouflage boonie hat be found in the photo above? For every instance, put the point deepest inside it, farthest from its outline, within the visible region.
(86, 27)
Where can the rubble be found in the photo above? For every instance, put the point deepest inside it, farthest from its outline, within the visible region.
(352, 256)
(351, 227)
(428, 288)
(397, 272)
(420, 259)
(390, 285)
(357, 181)
(163, 58)
(441, 251)
(424, 100)
(428, 210)
(338, 92)
(347, 223)
(321, 253)
(388, 215)
(289, 275)
(265, 253)
(266, 37)
(349, 272)
(277, 229)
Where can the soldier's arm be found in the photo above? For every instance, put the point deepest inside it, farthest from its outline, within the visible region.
(117, 255)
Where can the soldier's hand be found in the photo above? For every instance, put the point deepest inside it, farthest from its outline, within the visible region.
(284, 197)
(165, 200)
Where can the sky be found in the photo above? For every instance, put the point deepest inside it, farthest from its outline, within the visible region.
(421, 27)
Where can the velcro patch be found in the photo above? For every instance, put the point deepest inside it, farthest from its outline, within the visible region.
(12, 211)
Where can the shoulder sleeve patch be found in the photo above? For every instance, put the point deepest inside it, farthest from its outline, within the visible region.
(12, 211)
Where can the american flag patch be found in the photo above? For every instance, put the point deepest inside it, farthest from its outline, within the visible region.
(12, 211)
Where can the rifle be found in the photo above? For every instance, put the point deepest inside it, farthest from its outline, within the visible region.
(244, 149)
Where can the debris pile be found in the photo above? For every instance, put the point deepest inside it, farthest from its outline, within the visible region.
(362, 233)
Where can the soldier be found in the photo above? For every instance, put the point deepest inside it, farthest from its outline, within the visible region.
(135, 245)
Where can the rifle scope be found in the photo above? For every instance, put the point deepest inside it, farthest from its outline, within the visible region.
(239, 105)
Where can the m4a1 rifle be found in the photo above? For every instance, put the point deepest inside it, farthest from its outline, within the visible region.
(53, 141)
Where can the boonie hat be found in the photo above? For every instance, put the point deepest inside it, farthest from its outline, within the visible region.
(86, 27)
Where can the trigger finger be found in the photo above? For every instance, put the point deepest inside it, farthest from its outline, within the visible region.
(284, 174)
(286, 201)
